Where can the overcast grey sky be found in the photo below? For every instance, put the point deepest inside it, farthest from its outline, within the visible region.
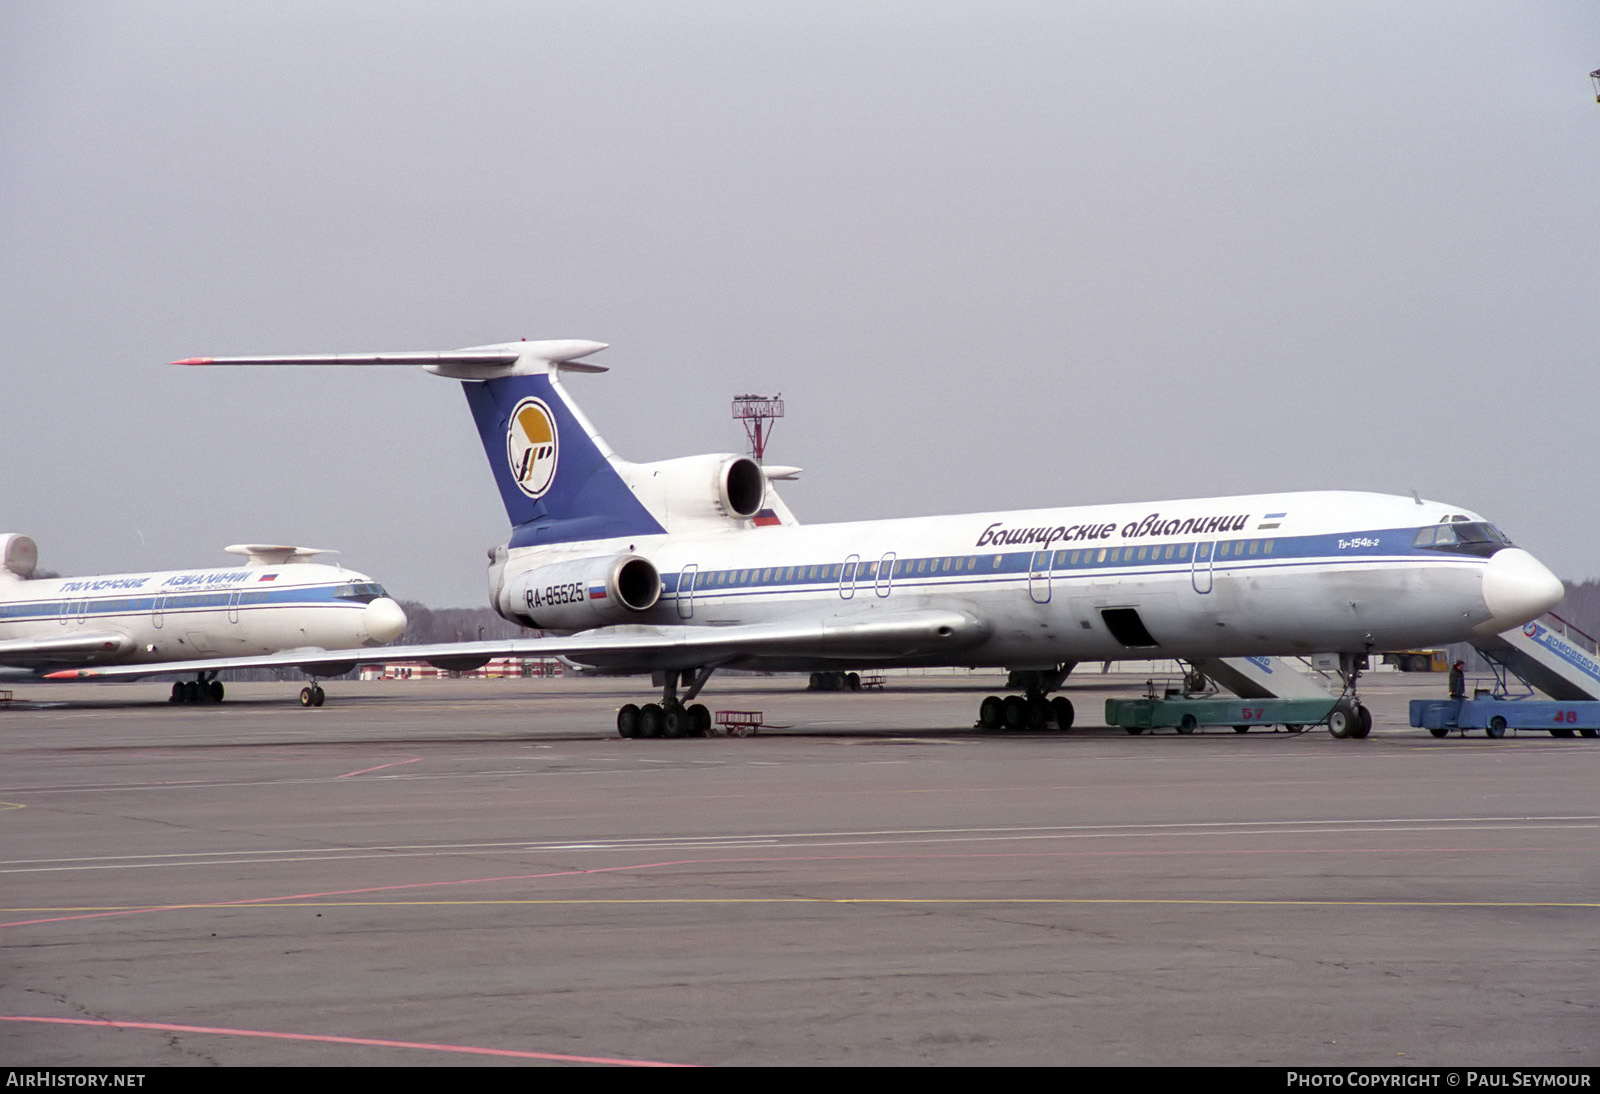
(993, 255)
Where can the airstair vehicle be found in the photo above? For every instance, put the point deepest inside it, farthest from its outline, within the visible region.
(1549, 654)
(1269, 691)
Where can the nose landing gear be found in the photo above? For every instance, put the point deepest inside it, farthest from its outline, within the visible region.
(1349, 718)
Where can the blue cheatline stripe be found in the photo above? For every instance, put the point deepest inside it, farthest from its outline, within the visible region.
(1228, 555)
(292, 596)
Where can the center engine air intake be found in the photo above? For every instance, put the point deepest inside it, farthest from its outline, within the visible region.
(583, 593)
(741, 486)
(700, 493)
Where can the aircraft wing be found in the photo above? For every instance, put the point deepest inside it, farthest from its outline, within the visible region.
(864, 636)
(68, 649)
(314, 662)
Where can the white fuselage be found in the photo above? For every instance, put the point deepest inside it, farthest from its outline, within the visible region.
(1218, 577)
(190, 614)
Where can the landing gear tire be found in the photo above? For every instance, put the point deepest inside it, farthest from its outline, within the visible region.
(675, 722)
(216, 691)
(1061, 707)
(628, 720)
(1014, 712)
(991, 712)
(1496, 727)
(305, 697)
(1363, 722)
(1343, 720)
(177, 693)
(651, 720)
(700, 720)
(1187, 724)
(853, 681)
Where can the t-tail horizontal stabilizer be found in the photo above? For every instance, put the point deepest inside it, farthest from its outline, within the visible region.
(558, 479)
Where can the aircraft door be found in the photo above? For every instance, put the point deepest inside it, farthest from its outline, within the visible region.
(686, 582)
(847, 577)
(1039, 577)
(1200, 569)
(885, 575)
(233, 605)
(156, 612)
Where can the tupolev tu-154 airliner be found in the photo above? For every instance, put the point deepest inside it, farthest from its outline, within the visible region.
(684, 566)
(275, 609)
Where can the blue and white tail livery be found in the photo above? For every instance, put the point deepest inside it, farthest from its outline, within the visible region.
(683, 566)
(275, 609)
(558, 480)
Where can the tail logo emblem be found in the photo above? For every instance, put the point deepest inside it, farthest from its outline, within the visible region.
(531, 447)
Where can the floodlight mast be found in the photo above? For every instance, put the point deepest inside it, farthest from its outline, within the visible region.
(757, 412)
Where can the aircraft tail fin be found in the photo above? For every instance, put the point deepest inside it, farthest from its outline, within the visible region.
(275, 554)
(19, 555)
(557, 477)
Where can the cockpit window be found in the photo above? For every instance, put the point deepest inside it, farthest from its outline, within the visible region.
(364, 591)
(1466, 538)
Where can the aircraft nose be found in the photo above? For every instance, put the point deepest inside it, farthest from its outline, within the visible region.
(384, 620)
(1516, 588)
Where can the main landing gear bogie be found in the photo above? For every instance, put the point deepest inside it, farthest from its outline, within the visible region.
(196, 691)
(674, 716)
(834, 681)
(312, 695)
(659, 720)
(1025, 712)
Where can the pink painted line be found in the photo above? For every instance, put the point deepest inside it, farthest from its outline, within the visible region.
(380, 767)
(246, 901)
(471, 1050)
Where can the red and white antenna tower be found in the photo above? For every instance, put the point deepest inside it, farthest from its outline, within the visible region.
(757, 412)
